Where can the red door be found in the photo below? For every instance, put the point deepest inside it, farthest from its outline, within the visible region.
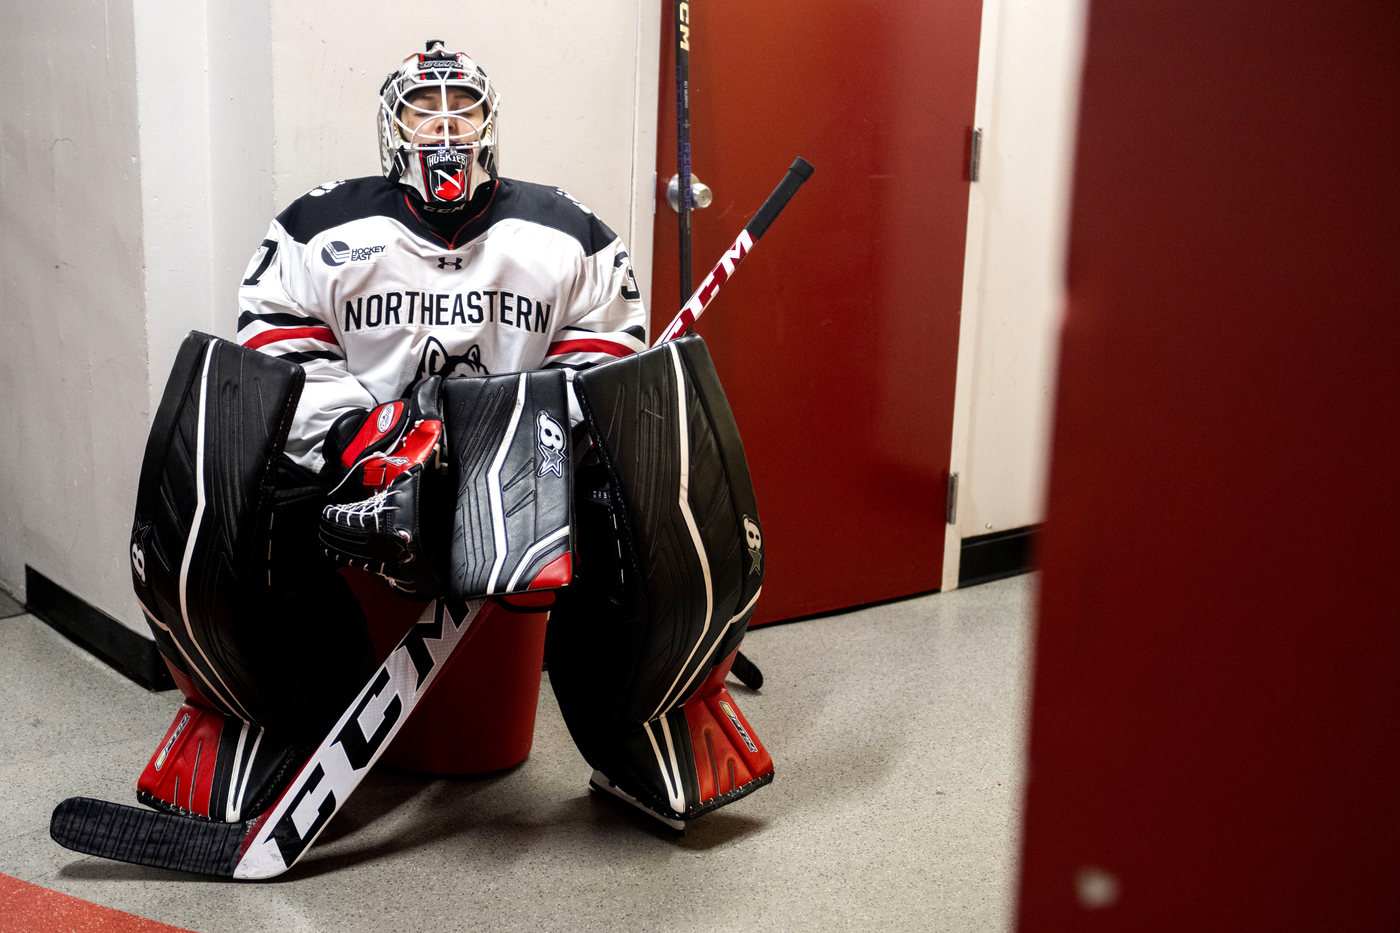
(837, 338)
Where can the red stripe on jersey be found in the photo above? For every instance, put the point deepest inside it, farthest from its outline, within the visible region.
(589, 346)
(290, 333)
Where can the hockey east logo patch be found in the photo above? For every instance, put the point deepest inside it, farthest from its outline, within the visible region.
(338, 253)
(549, 437)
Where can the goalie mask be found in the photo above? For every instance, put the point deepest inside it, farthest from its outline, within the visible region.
(438, 118)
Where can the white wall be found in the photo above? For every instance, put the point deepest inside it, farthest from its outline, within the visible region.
(1013, 284)
(73, 355)
(578, 86)
(204, 86)
(146, 144)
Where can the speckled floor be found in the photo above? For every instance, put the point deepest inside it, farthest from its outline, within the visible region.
(897, 732)
(8, 606)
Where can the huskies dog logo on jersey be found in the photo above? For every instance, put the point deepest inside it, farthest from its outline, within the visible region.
(436, 361)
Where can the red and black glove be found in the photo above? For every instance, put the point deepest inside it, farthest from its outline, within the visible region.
(387, 475)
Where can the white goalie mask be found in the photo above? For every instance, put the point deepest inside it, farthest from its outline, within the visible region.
(438, 127)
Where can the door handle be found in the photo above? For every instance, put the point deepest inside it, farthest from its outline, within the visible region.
(700, 193)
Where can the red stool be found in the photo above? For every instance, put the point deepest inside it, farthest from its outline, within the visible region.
(479, 715)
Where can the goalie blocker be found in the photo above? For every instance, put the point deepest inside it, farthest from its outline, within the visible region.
(670, 566)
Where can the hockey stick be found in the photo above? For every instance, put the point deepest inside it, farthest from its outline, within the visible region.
(268, 844)
(800, 171)
(683, 140)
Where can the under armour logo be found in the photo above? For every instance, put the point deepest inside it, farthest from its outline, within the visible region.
(456, 263)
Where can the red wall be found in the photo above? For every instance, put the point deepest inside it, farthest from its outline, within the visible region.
(1217, 674)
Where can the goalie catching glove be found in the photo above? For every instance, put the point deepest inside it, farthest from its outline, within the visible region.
(384, 467)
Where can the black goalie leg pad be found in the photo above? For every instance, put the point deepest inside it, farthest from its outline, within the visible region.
(251, 639)
(670, 567)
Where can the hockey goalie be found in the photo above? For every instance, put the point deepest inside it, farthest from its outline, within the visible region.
(441, 377)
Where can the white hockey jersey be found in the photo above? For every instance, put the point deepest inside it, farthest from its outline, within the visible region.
(351, 284)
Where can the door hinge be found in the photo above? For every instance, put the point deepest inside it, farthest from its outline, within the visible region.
(951, 509)
(974, 161)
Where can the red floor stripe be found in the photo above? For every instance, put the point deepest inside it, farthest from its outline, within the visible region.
(32, 909)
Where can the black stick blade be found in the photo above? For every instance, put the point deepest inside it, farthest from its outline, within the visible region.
(145, 837)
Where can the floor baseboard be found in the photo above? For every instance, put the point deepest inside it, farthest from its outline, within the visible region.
(998, 555)
(85, 625)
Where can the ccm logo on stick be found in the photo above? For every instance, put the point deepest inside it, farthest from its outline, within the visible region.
(335, 769)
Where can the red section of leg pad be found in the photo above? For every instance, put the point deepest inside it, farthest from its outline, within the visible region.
(718, 766)
(182, 769)
(723, 759)
(187, 686)
(557, 572)
(717, 674)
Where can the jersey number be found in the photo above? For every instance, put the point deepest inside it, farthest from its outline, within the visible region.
(629, 284)
(261, 260)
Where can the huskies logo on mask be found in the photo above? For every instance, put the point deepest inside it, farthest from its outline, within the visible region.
(446, 171)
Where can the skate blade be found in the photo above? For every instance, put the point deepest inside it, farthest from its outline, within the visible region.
(599, 782)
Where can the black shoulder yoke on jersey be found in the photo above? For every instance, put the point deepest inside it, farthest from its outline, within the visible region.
(329, 206)
(548, 207)
(323, 208)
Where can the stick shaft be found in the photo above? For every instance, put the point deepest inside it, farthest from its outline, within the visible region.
(797, 173)
(683, 141)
